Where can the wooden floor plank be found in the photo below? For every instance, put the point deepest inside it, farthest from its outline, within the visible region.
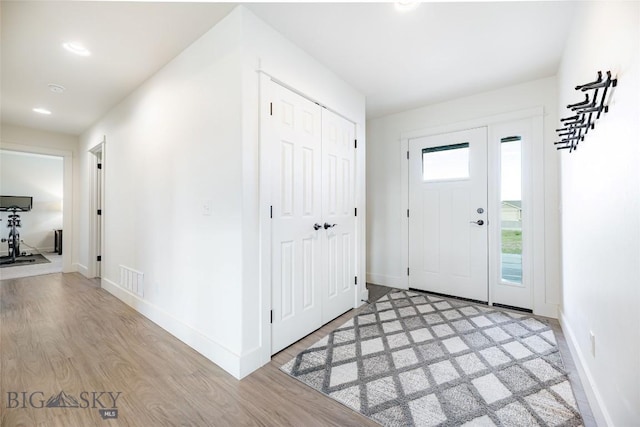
(63, 332)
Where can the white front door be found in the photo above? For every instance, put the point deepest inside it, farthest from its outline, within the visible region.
(313, 218)
(296, 205)
(338, 204)
(448, 214)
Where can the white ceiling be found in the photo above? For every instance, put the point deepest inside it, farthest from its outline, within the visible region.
(397, 60)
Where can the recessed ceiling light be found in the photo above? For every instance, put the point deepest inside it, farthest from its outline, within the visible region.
(42, 111)
(56, 88)
(76, 48)
(406, 5)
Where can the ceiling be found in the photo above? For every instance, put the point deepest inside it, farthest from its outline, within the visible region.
(398, 60)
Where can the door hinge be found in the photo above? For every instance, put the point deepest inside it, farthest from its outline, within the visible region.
(271, 108)
(99, 258)
(356, 280)
(99, 165)
(407, 155)
(407, 213)
(271, 211)
(355, 143)
(407, 271)
(355, 211)
(271, 316)
(99, 211)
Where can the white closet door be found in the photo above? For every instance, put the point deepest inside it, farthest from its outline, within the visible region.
(296, 198)
(338, 204)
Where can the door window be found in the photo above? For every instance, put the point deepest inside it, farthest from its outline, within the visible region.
(445, 162)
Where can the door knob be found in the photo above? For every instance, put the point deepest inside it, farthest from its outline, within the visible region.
(326, 225)
(317, 226)
(478, 222)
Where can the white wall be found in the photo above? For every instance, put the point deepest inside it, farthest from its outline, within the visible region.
(601, 214)
(386, 213)
(190, 134)
(38, 176)
(18, 138)
(170, 146)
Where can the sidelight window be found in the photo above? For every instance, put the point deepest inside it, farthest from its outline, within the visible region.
(511, 209)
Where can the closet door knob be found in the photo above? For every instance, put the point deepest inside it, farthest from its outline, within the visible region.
(317, 226)
(326, 225)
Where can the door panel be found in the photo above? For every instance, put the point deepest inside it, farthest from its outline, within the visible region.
(338, 153)
(296, 255)
(447, 249)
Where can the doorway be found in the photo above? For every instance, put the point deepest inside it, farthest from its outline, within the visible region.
(312, 216)
(493, 260)
(32, 183)
(97, 210)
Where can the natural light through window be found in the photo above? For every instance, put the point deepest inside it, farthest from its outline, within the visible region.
(445, 162)
(511, 209)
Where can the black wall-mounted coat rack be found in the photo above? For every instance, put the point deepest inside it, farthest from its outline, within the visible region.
(586, 112)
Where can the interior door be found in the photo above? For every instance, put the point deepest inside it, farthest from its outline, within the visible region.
(338, 204)
(448, 214)
(296, 198)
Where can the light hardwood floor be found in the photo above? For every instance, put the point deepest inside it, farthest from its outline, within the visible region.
(63, 332)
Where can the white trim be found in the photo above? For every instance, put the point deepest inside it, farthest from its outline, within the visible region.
(277, 81)
(399, 282)
(212, 350)
(265, 163)
(594, 396)
(67, 196)
(82, 269)
(100, 149)
(473, 123)
(404, 202)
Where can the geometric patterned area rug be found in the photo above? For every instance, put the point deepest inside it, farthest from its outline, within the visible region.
(414, 359)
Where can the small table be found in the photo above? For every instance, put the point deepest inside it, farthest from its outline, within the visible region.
(57, 241)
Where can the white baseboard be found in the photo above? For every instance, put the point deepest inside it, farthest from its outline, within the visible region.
(81, 269)
(252, 360)
(384, 280)
(218, 354)
(603, 419)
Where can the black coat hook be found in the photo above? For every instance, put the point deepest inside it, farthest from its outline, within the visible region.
(580, 104)
(599, 84)
(598, 80)
(587, 112)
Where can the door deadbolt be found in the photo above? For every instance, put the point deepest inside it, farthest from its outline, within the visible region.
(480, 210)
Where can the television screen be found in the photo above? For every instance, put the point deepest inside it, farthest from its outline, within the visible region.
(22, 203)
